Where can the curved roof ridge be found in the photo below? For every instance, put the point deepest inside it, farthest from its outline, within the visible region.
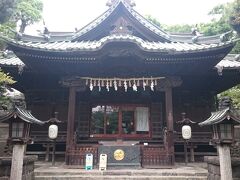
(96, 45)
(95, 22)
(154, 26)
(146, 23)
(217, 38)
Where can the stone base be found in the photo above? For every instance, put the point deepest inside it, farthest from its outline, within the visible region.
(214, 167)
(28, 167)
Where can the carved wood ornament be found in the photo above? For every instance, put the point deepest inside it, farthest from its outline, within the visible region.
(121, 26)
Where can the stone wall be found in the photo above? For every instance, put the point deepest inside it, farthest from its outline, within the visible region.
(214, 167)
(28, 167)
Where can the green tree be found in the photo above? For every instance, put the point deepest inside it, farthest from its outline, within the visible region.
(28, 12)
(234, 94)
(153, 20)
(5, 79)
(6, 9)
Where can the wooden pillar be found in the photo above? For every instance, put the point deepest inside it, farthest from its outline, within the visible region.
(192, 158)
(17, 162)
(47, 146)
(225, 162)
(71, 118)
(169, 117)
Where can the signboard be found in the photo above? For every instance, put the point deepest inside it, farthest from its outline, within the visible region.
(103, 162)
(89, 162)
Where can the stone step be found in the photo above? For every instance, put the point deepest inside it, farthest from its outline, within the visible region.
(118, 173)
(80, 177)
(63, 172)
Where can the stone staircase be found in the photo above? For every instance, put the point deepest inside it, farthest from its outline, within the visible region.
(177, 173)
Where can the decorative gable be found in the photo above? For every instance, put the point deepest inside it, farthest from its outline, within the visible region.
(121, 26)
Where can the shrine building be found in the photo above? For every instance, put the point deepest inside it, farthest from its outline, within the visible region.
(121, 83)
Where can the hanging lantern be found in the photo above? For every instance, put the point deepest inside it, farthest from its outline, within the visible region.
(53, 131)
(186, 132)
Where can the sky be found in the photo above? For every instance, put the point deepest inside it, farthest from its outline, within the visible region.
(66, 15)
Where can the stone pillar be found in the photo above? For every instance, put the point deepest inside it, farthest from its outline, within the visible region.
(169, 117)
(17, 162)
(71, 118)
(225, 162)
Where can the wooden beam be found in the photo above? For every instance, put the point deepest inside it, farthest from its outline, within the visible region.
(169, 117)
(71, 117)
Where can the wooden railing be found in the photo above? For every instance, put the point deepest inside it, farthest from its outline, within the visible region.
(156, 157)
(42, 136)
(197, 137)
(77, 154)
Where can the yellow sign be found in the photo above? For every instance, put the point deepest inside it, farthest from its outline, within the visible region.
(119, 154)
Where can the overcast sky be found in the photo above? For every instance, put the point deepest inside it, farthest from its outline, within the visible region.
(66, 15)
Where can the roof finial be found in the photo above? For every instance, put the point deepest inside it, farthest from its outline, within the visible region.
(129, 2)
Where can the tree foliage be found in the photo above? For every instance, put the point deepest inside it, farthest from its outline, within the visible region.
(6, 9)
(28, 12)
(5, 79)
(224, 18)
(24, 11)
(234, 94)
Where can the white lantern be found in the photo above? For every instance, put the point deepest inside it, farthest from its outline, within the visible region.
(186, 132)
(53, 131)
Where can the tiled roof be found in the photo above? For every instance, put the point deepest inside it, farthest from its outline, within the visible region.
(169, 37)
(231, 61)
(219, 116)
(173, 47)
(189, 38)
(11, 61)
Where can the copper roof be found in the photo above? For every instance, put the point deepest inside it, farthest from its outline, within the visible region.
(23, 114)
(219, 116)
